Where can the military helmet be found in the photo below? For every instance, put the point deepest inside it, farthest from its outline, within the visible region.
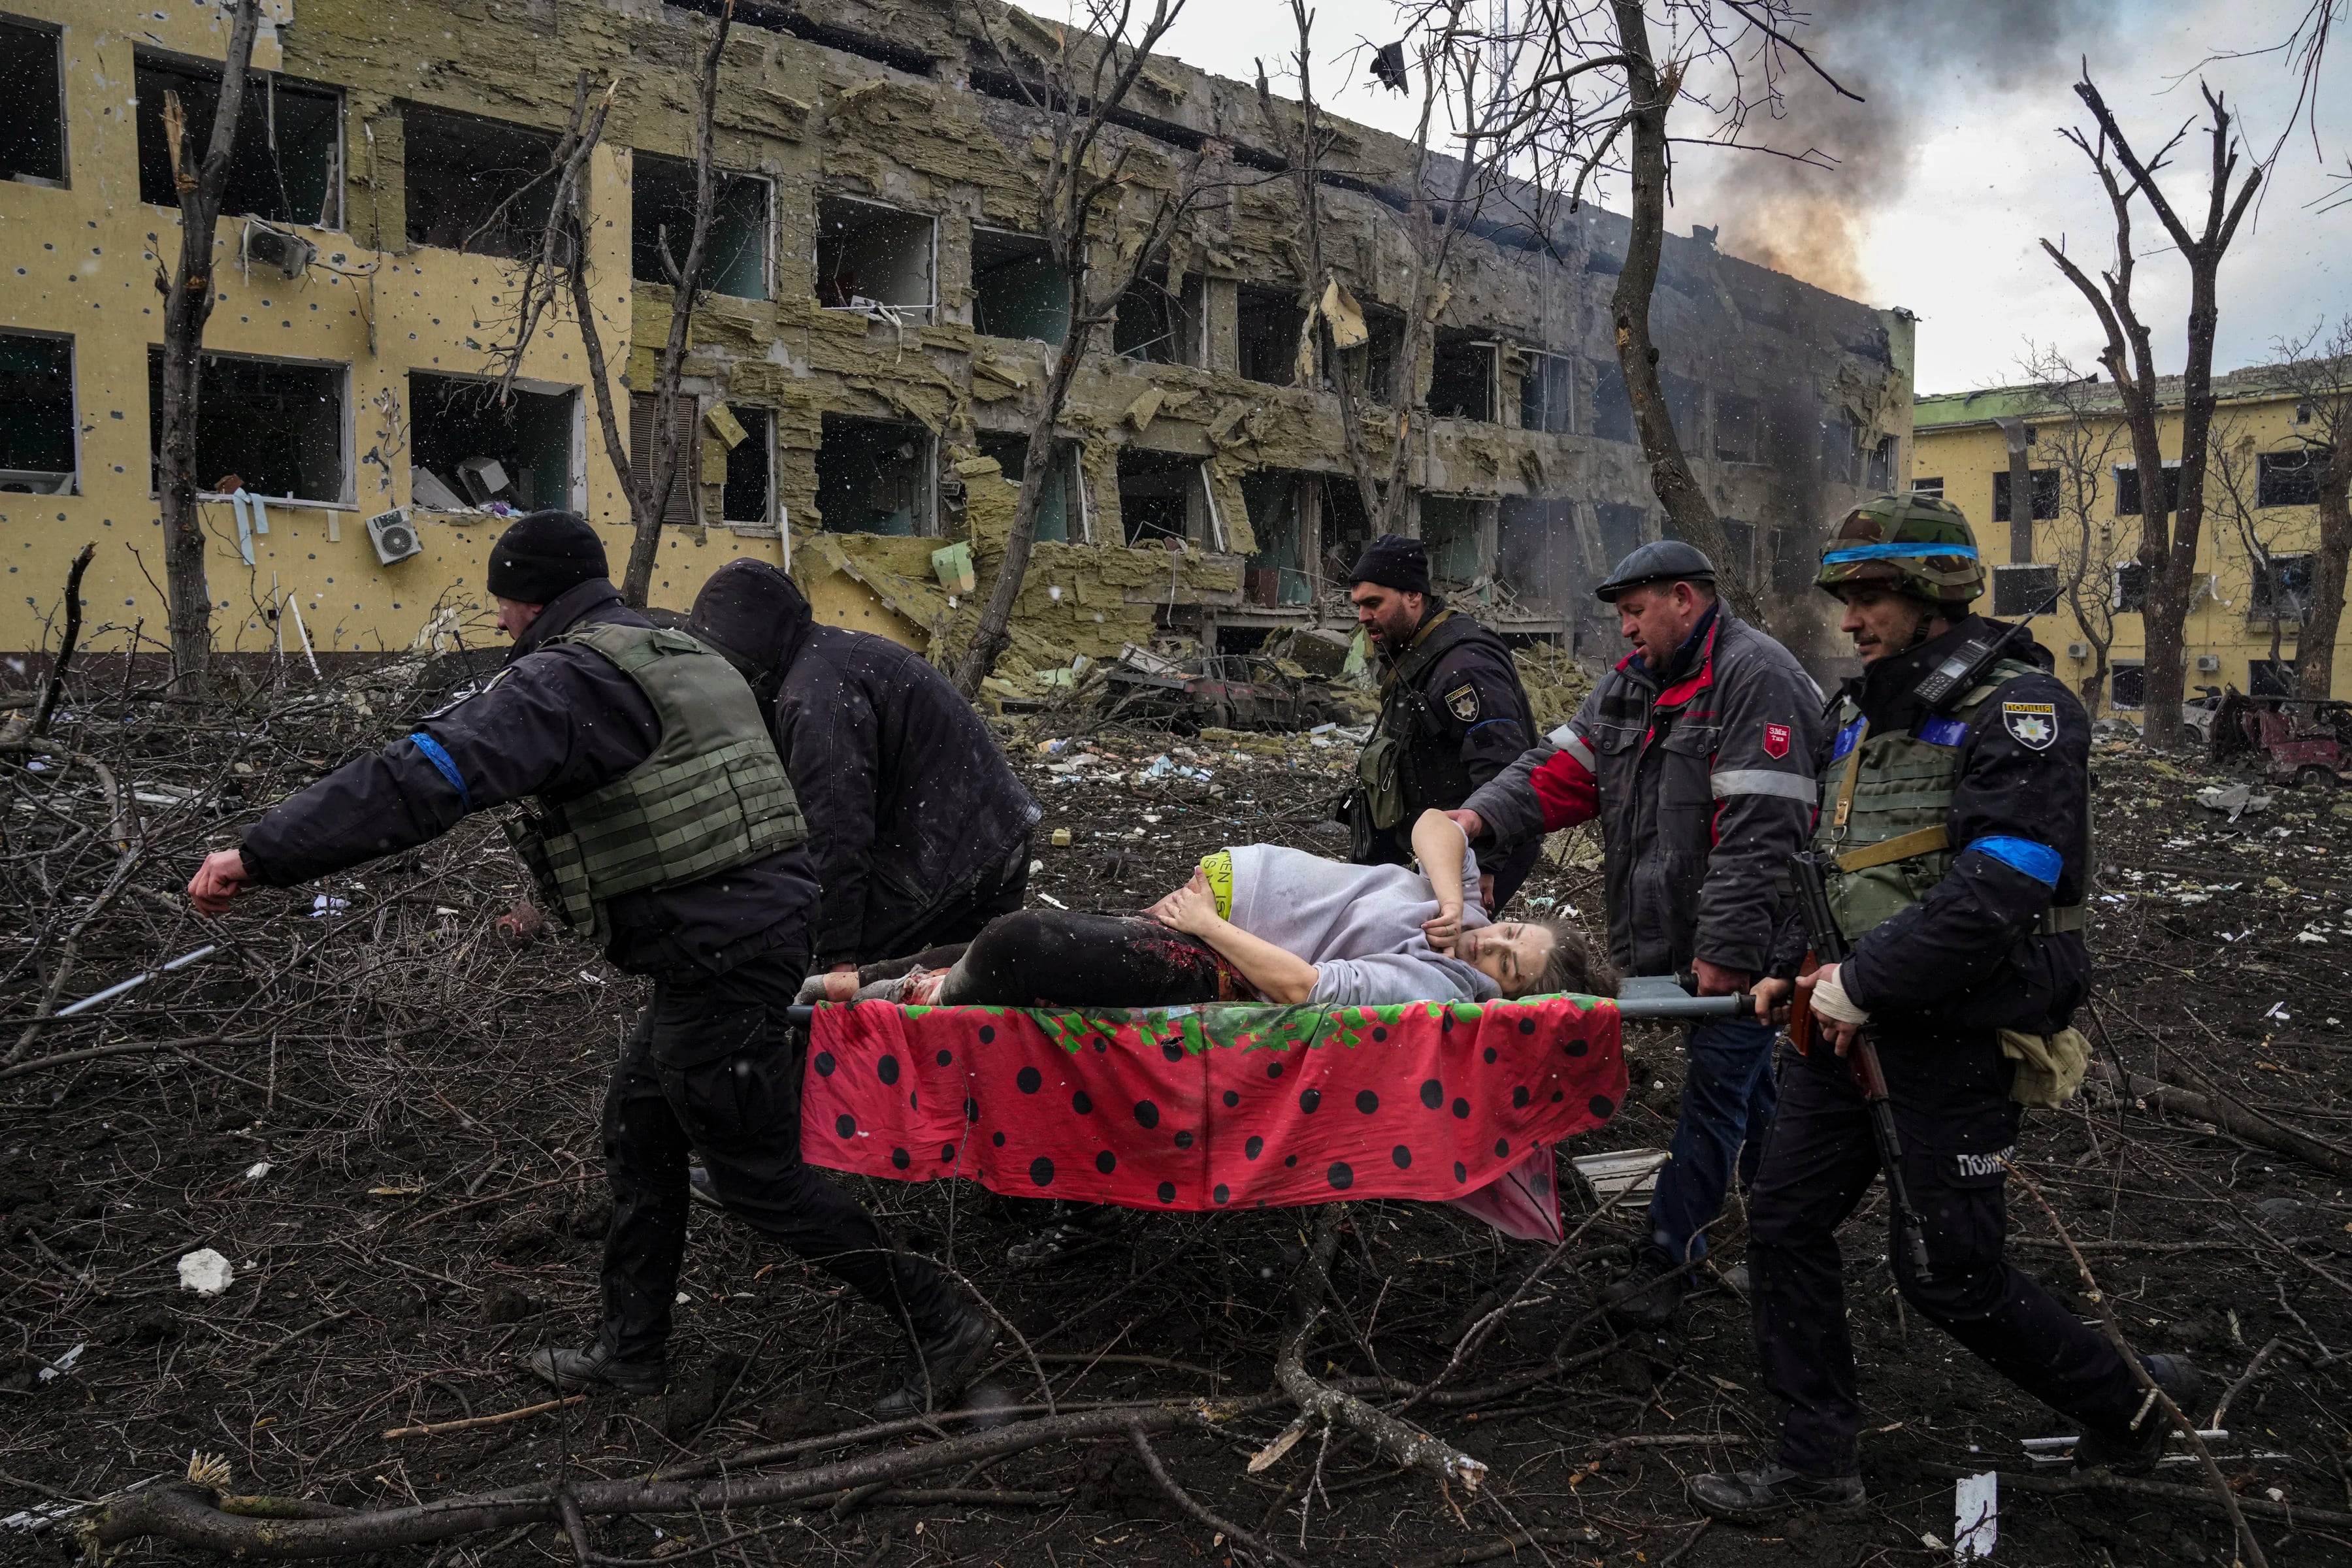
(1916, 544)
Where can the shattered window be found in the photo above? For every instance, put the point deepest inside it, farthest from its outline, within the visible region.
(2289, 478)
(2128, 684)
(1622, 529)
(661, 198)
(1018, 289)
(470, 448)
(2282, 588)
(2128, 501)
(1928, 487)
(1613, 410)
(37, 414)
(32, 105)
(1880, 475)
(1345, 527)
(2045, 492)
(1737, 421)
(2131, 588)
(2025, 591)
(1546, 394)
(474, 184)
(873, 475)
(1158, 327)
(2270, 677)
(275, 426)
(1267, 324)
(1451, 526)
(286, 162)
(1276, 576)
(870, 255)
(1838, 451)
(1157, 492)
(1535, 552)
(1462, 377)
(749, 493)
(1061, 501)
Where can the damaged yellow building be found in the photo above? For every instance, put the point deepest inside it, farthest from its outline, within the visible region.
(866, 367)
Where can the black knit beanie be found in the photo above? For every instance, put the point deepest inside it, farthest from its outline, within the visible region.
(1393, 561)
(543, 554)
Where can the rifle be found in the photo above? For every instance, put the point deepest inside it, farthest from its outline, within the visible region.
(1808, 875)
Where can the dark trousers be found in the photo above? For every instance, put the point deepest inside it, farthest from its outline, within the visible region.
(1955, 1117)
(1069, 958)
(964, 913)
(712, 1067)
(1727, 1099)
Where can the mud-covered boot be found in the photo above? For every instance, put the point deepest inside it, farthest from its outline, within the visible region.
(1646, 1297)
(569, 1371)
(1740, 1496)
(2133, 1451)
(937, 1369)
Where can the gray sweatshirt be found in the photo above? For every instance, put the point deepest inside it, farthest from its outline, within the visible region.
(1358, 925)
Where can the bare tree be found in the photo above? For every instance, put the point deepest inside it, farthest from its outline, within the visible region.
(559, 270)
(2318, 367)
(2168, 543)
(2080, 445)
(187, 306)
(1089, 188)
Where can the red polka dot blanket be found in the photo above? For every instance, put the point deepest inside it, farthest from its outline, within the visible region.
(1219, 1106)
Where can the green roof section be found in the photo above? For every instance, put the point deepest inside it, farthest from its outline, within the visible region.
(1946, 410)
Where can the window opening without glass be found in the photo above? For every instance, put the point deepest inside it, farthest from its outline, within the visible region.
(870, 255)
(37, 414)
(661, 197)
(275, 425)
(750, 492)
(1061, 516)
(1462, 376)
(1267, 324)
(286, 163)
(1276, 576)
(873, 475)
(1018, 289)
(476, 185)
(32, 105)
(1157, 493)
(468, 448)
(1547, 394)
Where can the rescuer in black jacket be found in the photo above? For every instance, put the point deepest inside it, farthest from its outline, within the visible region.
(1955, 815)
(920, 829)
(1453, 713)
(718, 915)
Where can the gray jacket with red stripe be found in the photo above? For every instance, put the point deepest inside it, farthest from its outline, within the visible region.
(1704, 783)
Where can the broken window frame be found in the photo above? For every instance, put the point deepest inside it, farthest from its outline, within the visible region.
(1931, 485)
(1294, 584)
(1201, 523)
(2289, 477)
(645, 258)
(1268, 357)
(1182, 320)
(2128, 685)
(2126, 487)
(923, 509)
(1069, 457)
(2131, 588)
(255, 116)
(575, 478)
(2013, 589)
(839, 300)
(2271, 677)
(2280, 584)
(1480, 515)
(2045, 494)
(1454, 340)
(1035, 251)
(55, 36)
(211, 399)
(71, 474)
(760, 445)
(1381, 353)
(531, 198)
(1548, 374)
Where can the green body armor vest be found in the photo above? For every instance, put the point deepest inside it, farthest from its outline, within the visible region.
(1884, 810)
(712, 796)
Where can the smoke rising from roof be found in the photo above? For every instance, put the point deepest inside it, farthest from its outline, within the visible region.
(1920, 67)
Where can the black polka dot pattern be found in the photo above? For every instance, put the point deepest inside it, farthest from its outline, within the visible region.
(887, 1070)
(1402, 1156)
(1041, 1171)
(1106, 1161)
(1029, 1080)
(1433, 1093)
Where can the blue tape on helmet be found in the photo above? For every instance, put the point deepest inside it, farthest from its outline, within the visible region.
(2038, 861)
(1881, 551)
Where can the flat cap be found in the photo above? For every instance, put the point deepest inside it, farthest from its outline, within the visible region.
(1660, 561)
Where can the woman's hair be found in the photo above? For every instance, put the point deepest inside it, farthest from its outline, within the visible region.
(1573, 965)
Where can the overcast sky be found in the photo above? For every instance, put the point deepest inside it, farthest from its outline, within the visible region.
(1953, 171)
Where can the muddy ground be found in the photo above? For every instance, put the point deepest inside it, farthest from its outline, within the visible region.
(384, 1118)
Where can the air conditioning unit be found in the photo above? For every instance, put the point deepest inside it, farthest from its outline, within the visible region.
(2207, 663)
(394, 536)
(2078, 651)
(267, 247)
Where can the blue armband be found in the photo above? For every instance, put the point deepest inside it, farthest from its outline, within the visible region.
(443, 764)
(2038, 861)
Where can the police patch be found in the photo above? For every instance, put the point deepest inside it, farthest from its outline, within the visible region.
(1463, 703)
(2036, 724)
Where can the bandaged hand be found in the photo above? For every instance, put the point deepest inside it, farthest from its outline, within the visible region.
(1190, 909)
(1831, 1001)
(1445, 927)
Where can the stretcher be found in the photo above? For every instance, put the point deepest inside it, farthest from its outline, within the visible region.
(1229, 1106)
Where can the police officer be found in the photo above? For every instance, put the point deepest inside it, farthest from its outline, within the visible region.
(618, 730)
(1696, 754)
(1453, 713)
(1955, 797)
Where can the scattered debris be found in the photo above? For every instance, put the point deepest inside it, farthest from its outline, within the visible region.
(206, 1273)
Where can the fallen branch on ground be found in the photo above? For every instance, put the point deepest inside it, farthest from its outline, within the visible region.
(472, 1421)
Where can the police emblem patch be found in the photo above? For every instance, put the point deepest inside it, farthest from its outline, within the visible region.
(2036, 724)
(1776, 741)
(1463, 703)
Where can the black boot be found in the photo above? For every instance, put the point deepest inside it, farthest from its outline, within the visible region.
(569, 1371)
(1740, 1496)
(1646, 1297)
(2134, 1451)
(939, 1367)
